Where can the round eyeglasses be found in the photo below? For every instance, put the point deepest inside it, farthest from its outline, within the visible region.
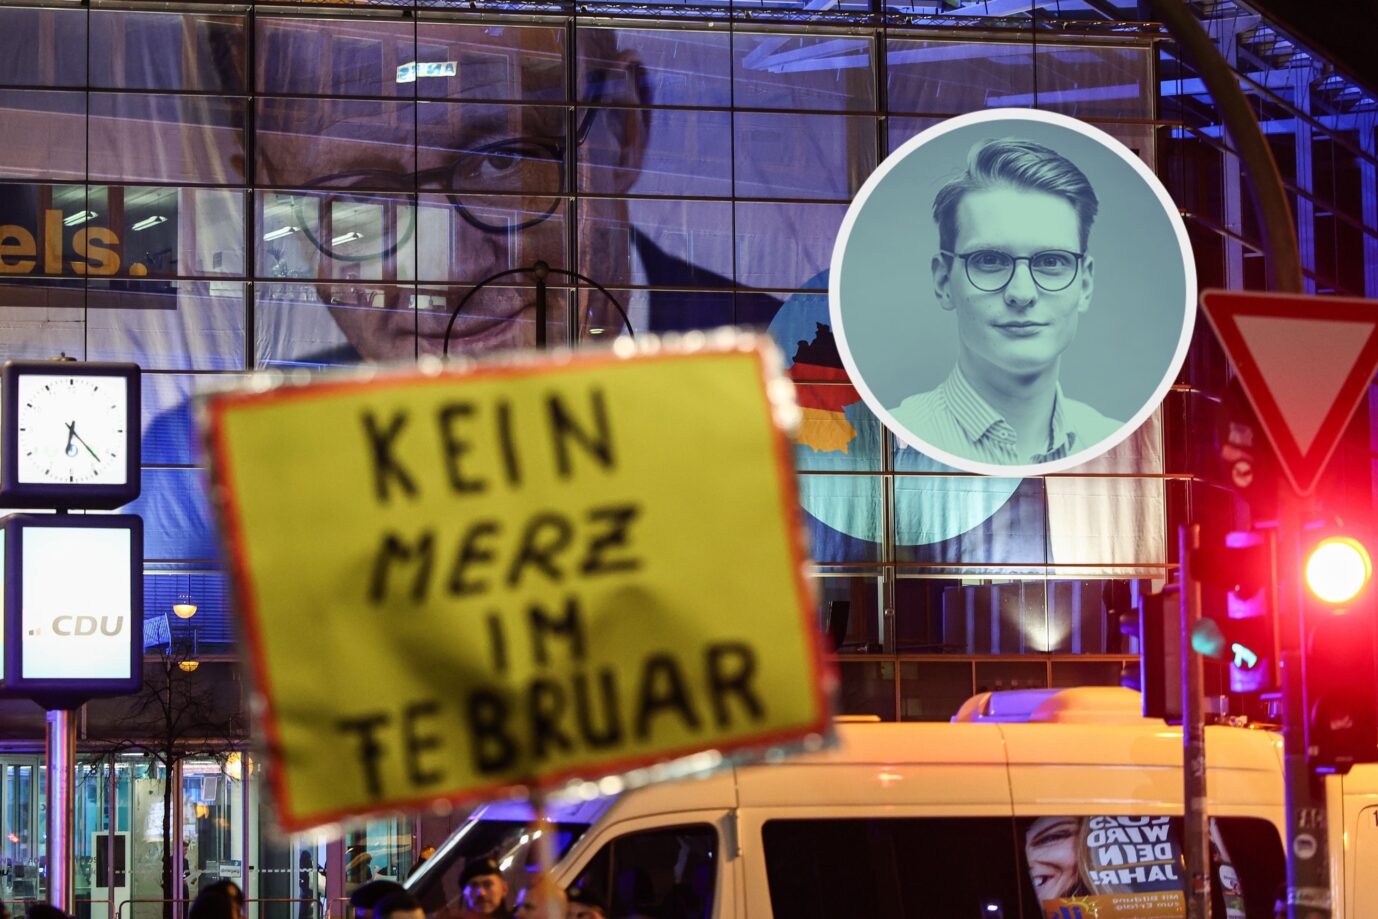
(990, 270)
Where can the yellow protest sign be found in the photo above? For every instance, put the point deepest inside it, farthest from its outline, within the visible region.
(456, 581)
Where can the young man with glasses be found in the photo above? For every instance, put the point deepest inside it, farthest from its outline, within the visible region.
(1013, 267)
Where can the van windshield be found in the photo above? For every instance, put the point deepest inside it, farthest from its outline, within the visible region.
(504, 832)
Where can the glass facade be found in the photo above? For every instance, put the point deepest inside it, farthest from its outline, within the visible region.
(211, 191)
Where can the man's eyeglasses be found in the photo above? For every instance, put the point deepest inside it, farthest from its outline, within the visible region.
(990, 270)
(507, 166)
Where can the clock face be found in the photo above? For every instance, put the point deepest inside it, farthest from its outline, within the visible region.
(71, 429)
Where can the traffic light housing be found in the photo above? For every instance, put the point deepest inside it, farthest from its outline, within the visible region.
(1238, 625)
(1340, 665)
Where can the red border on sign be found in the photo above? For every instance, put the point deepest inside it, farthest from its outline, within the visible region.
(224, 490)
(1223, 307)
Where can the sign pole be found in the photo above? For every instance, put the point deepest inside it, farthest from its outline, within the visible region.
(1308, 858)
(1195, 829)
(61, 753)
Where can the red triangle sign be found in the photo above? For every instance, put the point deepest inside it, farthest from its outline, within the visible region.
(1304, 362)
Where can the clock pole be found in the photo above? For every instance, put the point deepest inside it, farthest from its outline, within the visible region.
(69, 439)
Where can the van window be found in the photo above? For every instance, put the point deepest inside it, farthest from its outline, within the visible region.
(1002, 869)
(665, 873)
(958, 867)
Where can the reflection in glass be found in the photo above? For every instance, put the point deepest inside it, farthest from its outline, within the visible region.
(810, 72)
(44, 135)
(197, 139)
(132, 49)
(802, 156)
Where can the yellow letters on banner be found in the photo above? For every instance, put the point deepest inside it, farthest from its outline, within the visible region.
(461, 582)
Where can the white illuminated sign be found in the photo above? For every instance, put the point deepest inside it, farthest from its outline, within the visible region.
(77, 616)
(408, 73)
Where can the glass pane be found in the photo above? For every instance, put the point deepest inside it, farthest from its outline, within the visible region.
(866, 688)
(678, 243)
(167, 51)
(785, 246)
(494, 149)
(933, 690)
(968, 519)
(179, 232)
(212, 822)
(951, 78)
(45, 135)
(670, 871)
(492, 62)
(335, 56)
(43, 47)
(678, 66)
(1089, 673)
(997, 676)
(470, 238)
(340, 143)
(848, 613)
(809, 72)
(686, 155)
(894, 867)
(1135, 861)
(1089, 81)
(192, 326)
(136, 137)
(178, 525)
(802, 156)
(842, 514)
(345, 236)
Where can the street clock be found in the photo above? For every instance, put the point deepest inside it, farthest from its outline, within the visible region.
(69, 434)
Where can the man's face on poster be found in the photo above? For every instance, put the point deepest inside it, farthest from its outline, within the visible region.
(1020, 327)
(491, 183)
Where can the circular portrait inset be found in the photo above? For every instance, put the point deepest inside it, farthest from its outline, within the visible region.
(1012, 292)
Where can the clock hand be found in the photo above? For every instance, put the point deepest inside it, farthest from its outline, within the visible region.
(72, 432)
(71, 449)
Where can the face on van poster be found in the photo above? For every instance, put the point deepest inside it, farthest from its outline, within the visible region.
(1013, 292)
(1121, 867)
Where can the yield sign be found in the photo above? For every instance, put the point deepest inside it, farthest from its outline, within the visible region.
(1304, 362)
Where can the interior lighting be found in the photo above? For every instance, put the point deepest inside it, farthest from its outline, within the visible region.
(80, 217)
(279, 233)
(149, 223)
(343, 238)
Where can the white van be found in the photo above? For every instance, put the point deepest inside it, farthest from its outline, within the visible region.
(1061, 803)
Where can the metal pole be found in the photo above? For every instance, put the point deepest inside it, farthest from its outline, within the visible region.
(60, 746)
(174, 775)
(112, 789)
(1195, 828)
(545, 855)
(540, 269)
(1308, 855)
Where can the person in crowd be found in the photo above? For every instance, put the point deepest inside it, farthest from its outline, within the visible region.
(584, 905)
(399, 905)
(218, 900)
(484, 888)
(44, 911)
(421, 858)
(367, 896)
(544, 899)
(1013, 267)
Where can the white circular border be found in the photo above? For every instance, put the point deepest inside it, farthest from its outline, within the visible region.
(998, 115)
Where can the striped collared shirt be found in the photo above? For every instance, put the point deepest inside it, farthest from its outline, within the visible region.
(955, 418)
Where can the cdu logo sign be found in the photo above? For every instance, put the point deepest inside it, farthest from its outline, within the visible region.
(81, 626)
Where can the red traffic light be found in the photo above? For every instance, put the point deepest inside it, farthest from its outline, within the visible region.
(1337, 569)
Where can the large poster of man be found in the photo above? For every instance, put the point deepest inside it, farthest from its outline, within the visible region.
(1013, 292)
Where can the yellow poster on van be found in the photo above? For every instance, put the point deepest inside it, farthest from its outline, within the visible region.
(458, 581)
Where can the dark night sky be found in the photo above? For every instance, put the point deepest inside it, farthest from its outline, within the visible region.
(1346, 30)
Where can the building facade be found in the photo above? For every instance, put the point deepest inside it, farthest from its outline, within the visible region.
(213, 190)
